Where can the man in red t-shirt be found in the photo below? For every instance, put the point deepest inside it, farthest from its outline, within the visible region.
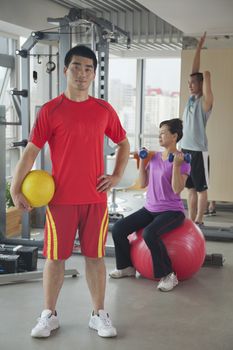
(74, 125)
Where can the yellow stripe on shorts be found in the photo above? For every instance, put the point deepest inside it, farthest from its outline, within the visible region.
(54, 234)
(102, 233)
(105, 229)
(48, 237)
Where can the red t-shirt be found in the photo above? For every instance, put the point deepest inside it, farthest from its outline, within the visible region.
(75, 134)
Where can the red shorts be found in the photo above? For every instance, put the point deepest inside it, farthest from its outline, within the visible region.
(62, 224)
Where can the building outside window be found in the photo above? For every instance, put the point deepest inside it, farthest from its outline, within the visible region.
(161, 99)
(161, 96)
(122, 92)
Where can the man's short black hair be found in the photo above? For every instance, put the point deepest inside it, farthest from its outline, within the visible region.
(198, 75)
(83, 51)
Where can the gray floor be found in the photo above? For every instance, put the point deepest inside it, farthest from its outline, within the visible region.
(198, 314)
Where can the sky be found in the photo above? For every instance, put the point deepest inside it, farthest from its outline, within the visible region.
(160, 73)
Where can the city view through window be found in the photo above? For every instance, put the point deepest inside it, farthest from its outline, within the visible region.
(160, 99)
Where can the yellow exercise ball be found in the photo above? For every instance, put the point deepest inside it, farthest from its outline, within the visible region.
(38, 187)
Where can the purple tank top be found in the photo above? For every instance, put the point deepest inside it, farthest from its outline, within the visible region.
(160, 196)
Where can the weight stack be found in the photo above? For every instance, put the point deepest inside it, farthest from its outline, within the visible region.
(8, 263)
(28, 256)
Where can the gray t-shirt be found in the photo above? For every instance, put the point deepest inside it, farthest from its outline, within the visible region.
(194, 125)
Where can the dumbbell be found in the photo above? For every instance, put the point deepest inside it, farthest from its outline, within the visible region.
(143, 153)
(187, 157)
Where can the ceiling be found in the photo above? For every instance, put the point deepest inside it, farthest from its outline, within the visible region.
(192, 18)
(157, 27)
(148, 35)
(195, 17)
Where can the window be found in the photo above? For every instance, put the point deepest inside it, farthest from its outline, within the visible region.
(161, 96)
(122, 93)
(3, 71)
(7, 83)
(161, 100)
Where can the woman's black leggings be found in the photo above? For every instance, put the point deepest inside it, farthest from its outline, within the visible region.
(154, 224)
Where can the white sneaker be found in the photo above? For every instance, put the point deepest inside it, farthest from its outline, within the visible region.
(168, 282)
(47, 322)
(127, 272)
(102, 324)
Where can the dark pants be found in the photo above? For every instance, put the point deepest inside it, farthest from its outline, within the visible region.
(154, 224)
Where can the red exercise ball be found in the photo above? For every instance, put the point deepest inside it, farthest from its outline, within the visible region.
(186, 249)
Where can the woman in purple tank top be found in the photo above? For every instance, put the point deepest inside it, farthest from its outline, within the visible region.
(163, 210)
